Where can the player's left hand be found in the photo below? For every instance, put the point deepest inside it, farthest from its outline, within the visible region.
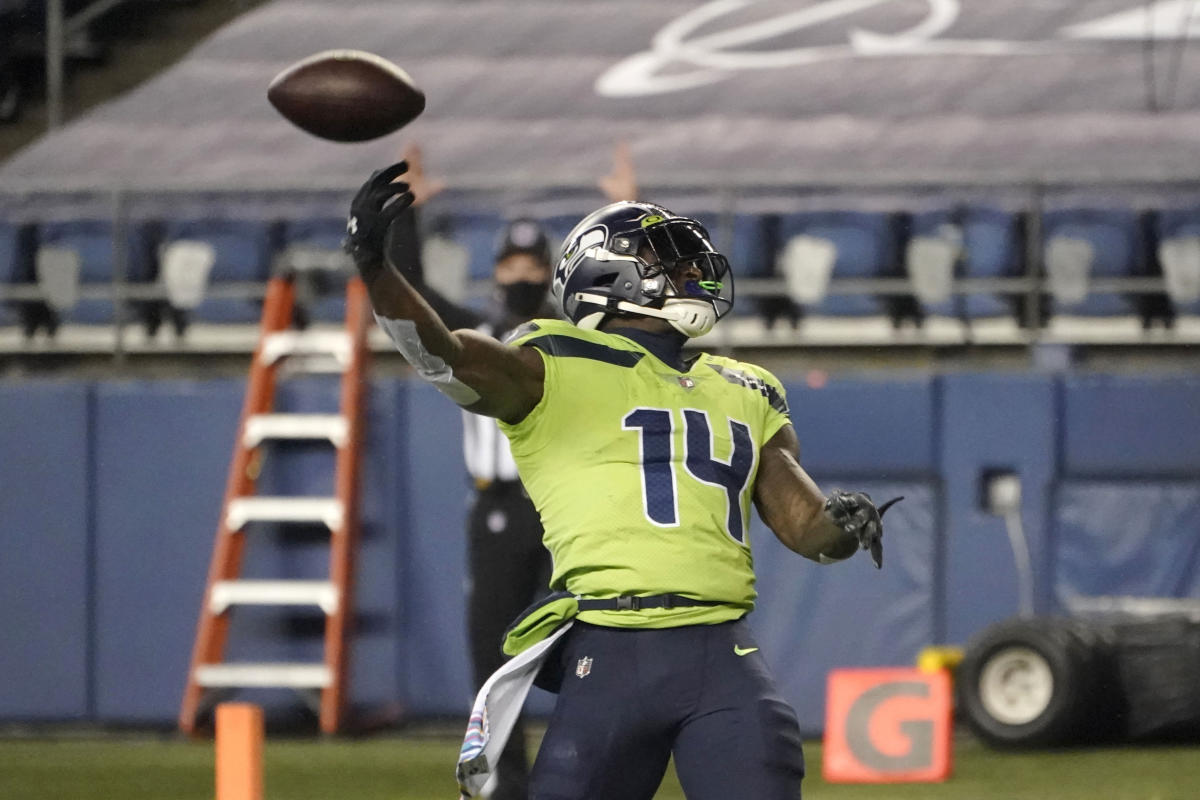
(857, 516)
(376, 206)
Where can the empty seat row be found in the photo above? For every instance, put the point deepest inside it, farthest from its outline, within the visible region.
(206, 269)
(968, 262)
(983, 262)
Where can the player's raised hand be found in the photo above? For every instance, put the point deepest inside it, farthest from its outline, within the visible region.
(421, 185)
(376, 206)
(855, 514)
(621, 182)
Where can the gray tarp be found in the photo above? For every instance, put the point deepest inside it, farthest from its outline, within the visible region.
(730, 91)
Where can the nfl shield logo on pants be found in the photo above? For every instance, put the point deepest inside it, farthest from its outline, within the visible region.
(584, 667)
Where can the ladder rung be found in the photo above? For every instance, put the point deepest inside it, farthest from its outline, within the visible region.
(307, 343)
(326, 510)
(314, 365)
(274, 593)
(282, 676)
(333, 427)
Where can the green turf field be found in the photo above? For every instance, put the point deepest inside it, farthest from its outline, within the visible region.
(420, 768)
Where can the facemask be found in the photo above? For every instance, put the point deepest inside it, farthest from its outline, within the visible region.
(523, 298)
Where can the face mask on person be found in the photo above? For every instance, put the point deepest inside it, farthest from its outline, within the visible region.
(523, 298)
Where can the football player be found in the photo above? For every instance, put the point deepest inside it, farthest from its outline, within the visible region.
(643, 465)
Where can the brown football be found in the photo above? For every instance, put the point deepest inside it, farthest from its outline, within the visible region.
(346, 96)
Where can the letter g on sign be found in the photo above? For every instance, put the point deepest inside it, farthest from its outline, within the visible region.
(887, 725)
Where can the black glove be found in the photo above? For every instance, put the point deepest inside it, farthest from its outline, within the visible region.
(855, 514)
(376, 206)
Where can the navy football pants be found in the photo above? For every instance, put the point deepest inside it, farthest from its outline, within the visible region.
(632, 698)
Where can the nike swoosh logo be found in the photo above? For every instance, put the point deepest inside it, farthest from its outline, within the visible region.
(743, 651)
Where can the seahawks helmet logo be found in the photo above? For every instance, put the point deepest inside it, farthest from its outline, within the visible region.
(571, 257)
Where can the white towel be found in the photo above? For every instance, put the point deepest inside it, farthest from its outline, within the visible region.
(494, 713)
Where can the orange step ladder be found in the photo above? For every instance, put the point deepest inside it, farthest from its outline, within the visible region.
(343, 351)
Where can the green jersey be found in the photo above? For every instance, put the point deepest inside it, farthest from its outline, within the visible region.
(644, 475)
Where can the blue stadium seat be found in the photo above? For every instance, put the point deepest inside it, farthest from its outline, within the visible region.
(479, 233)
(79, 253)
(1105, 243)
(992, 247)
(748, 245)
(16, 266)
(863, 245)
(241, 251)
(1178, 234)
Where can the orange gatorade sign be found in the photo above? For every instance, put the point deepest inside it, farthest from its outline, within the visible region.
(887, 725)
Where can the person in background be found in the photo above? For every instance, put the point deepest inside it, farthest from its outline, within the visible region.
(508, 566)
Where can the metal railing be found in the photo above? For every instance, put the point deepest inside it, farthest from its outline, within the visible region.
(1028, 292)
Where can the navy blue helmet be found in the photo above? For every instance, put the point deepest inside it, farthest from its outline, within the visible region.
(639, 259)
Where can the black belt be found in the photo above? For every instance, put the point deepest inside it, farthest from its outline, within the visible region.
(497, 484)
(636, 602)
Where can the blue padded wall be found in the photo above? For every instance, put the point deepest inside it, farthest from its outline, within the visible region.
(158, 504)
(162, 455)
(989, 422)
(376, 669)
(433, 555)
(873, 429)
(1120, 425)
(44, 575)
(1127, 538)
(138, 468)
(1127, 511)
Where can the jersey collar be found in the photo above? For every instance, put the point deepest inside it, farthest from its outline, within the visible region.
(667, 347)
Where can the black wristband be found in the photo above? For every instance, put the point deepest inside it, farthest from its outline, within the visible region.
(369, 266)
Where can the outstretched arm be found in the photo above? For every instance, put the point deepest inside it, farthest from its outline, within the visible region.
(477, 372)
(824, 529)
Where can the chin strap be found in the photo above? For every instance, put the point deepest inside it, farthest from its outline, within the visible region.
(690, 317)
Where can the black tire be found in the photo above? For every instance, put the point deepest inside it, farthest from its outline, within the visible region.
(1028, 683)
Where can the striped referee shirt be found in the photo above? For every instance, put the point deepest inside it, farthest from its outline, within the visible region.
(485, 448)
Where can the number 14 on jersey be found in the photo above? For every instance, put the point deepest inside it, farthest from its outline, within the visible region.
(660, 495)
